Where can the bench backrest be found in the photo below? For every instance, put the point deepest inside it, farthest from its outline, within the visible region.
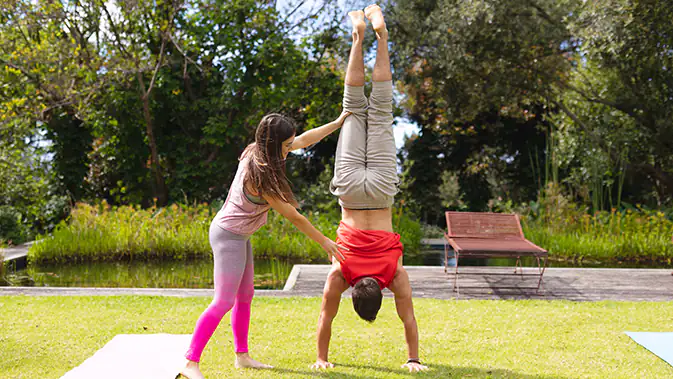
(483, 225)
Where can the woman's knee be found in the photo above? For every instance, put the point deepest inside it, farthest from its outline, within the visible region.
(358, 112)
(380, 110)
(354, 100)
(349, 180)
(383, 183)
(221, 304)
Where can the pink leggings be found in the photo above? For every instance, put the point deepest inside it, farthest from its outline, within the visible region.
(234, 287)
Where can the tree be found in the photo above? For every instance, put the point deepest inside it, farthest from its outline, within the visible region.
(161, 98)
(49, 64)
(623, 89)
(587, 73)
(139, 36)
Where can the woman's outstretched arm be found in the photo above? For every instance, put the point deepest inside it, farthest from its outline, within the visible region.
(314, 135)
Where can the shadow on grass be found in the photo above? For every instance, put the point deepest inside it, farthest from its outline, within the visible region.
(434, 371)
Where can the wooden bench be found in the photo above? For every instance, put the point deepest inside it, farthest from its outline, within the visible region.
(488, 235)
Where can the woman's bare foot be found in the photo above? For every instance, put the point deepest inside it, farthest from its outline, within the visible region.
(243, 360)
(375, 16)
(358, 21)
(192, 371)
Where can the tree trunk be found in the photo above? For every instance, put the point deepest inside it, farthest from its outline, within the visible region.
(159, 187)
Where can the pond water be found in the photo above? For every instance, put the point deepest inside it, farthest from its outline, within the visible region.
(269, 273)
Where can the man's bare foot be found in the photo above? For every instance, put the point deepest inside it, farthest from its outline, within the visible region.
(192, 371)
(243, 360)
(375, 16)
(358, 21)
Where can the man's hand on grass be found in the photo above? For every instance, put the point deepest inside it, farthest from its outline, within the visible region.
(415, 367)
(320, 365)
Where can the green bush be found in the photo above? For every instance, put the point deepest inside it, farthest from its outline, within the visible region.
(432, 231)
(12, 229)
(54, 210)
(2, 265)
(410, 230)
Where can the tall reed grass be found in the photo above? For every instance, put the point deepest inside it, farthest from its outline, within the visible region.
(104, 233)
(632, 235)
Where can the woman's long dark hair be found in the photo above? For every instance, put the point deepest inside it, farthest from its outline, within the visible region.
(266, 166)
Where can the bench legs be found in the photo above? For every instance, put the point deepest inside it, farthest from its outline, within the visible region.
(541, 266)
(455, 274)
(518, 264)
(446, 258)
(541, 271)
(446, 266)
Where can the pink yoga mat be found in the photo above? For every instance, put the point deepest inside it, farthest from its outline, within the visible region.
(141, 356)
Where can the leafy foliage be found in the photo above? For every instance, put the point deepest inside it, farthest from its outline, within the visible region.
(511, 95)
(11, 226)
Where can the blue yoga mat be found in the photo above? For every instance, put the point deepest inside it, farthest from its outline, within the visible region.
(660, 344)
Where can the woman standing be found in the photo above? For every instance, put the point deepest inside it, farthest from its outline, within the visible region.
(260, 184)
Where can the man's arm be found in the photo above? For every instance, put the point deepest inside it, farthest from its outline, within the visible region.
(334, 287)
(401, 287)
(315, 135)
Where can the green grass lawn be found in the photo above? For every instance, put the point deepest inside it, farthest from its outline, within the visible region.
(44, 337)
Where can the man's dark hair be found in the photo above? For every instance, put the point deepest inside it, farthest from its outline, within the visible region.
(367, 297)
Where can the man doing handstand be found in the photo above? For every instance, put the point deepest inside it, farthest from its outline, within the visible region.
(365, 180)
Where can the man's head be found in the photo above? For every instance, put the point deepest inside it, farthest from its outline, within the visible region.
(367, 297)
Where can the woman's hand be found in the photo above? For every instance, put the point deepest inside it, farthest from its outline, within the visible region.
(340, 121)
(334, 250)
